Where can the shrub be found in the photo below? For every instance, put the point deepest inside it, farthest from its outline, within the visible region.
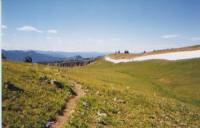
(28, 59)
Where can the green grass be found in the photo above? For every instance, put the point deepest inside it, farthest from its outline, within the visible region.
(137, 94)
(154, 94)
(38, 102)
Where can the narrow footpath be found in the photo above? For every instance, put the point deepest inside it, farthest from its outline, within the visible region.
(69, 108)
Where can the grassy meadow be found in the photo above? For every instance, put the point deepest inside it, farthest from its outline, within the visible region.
(31, 102)
(136, 94)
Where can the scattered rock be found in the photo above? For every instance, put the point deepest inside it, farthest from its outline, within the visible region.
(72, 92)
(100, 113)
(97, 93)
(103, 121)
(57, 83)
(86, 104)
(119, 100)
(49, 123)
(51, 82)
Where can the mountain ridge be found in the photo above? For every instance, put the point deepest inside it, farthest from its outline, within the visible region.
(46, 56)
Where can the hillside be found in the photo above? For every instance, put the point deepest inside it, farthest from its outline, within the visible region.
(137, 94)
(31, 97)
(100, 63)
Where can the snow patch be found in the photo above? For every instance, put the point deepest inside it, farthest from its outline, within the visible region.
(165, 56)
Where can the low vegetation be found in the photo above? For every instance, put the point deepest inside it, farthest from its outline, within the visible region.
(136, 94)
(30, 99)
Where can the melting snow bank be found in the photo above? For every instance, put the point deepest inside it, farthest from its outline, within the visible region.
(165, 56)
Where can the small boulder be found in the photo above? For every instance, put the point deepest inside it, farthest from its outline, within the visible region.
(119, 100)
(57, 83)
(98, 93)
(101, 113)
(49, 124)
(51, 82)
(86, 104)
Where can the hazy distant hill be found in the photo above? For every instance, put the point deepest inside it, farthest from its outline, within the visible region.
(72, 54)
(19, 55)
(47, 56)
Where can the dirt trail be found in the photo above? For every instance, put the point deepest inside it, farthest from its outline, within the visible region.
(69, 108)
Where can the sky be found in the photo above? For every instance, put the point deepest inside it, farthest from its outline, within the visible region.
(99, 25)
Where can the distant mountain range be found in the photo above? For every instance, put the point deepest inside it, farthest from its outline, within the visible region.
(72, 54)
(47, 56)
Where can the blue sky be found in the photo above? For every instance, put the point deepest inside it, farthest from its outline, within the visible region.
(100, 25)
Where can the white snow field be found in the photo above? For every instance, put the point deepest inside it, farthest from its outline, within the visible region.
(166, 56)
